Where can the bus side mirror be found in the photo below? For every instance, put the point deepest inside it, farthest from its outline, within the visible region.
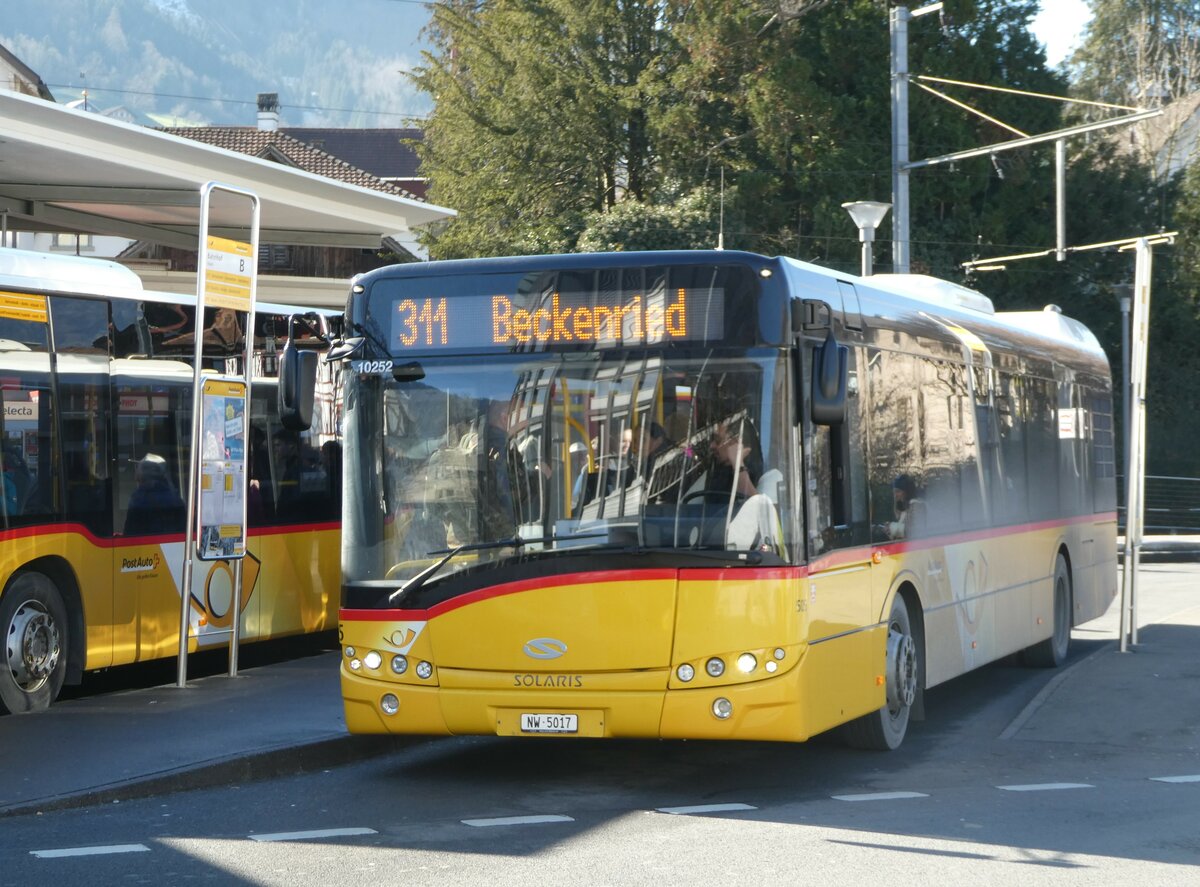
(297, 385)
(830, 374)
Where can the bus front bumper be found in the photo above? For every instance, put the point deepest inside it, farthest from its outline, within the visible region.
(768, 709)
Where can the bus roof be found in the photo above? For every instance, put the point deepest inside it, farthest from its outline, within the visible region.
(25, 269)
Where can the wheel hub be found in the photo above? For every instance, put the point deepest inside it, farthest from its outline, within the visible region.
(32, 646)
(902, 671)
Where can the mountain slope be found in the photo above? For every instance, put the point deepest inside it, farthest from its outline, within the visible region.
(332, 64)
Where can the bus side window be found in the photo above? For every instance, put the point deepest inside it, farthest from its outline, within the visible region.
(80, 333)
(897, 440)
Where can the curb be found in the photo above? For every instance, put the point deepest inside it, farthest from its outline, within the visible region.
(265, 763)
(1031, 707)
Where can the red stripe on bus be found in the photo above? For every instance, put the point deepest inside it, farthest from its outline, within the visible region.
(123, 541)
(862, 553)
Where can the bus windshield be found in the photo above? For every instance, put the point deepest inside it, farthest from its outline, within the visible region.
(511, 456)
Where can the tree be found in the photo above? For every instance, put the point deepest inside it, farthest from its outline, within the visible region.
(540, 117)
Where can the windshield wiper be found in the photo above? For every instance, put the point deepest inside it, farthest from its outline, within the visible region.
(397, 596)
(421, 578)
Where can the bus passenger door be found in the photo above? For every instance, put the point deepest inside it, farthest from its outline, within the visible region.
(837, 593)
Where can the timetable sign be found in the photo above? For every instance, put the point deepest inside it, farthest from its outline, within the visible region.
(228, 273)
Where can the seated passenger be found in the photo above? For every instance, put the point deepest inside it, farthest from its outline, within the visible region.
(155, 506)
(737, 466)
(910, 510)
(753, 521)
(610, 474)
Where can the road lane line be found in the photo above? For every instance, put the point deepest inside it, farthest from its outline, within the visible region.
(1044, 787)
(880, 796)
(315, 833)
(704, 808)
(515, 820)
(1195, 778)
(90, 851)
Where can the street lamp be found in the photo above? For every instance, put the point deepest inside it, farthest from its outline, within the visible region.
(867, 214)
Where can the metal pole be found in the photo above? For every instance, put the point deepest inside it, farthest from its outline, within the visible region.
(1134, 482)
(1125, 414)
(190, 530)
(898, 27)
(867, 235)
(1060, 202)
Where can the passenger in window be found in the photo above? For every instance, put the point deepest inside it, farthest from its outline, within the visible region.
(155, 506)
(737, 466)
(909, 509)
(613, 472)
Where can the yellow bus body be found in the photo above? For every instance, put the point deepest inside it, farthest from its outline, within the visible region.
(130, 594)
(823, 628)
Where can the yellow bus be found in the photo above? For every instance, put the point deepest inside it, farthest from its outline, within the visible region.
(96, 381)
(707, 494)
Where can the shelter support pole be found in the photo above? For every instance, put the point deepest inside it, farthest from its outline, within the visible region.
(1136, 473)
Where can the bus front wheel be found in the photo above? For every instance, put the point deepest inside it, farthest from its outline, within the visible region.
(33, 643)
(884, 730)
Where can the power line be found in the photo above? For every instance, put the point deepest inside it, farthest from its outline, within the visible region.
(196, 98)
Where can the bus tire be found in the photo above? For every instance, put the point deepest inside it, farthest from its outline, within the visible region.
(1052, 652)
(33, 643)
(884, 730)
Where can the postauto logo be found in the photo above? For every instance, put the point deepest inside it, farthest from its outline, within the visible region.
(544, 648)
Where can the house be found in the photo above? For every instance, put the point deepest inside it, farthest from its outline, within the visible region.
(19, 77)
(325, 152)
(385, 153)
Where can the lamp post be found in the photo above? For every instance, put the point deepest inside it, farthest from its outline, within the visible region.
(867, 214)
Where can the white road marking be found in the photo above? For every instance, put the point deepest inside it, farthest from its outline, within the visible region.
(1195, 778)
(315, 833)
(515, 820)
(90, 851)
(1044, 787)
(705, 808)
(880, 796)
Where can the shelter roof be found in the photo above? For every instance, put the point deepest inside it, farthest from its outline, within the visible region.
(72, 171)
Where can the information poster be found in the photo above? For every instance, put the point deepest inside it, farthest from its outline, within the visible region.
(228, 274)
(222, 470)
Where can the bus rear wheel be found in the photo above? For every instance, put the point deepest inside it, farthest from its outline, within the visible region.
(884, 730)
(33, 643)
(1052, 652)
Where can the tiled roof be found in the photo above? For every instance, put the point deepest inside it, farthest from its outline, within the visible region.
(279, 145)
(381, 152)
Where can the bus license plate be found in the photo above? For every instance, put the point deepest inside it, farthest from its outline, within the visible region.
(549, 723)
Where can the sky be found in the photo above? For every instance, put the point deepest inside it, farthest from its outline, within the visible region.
(1058, 27)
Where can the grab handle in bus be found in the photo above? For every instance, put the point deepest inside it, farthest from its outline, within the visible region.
(297, 384)
(830, 374)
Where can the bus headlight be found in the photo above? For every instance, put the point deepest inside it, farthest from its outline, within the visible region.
(399, 664)
(722, 708)
(746, 663)
(424, 670)
(355, 664)
(373, 660)
(685, 672)
(715, 667)
(389, 703)
(350, 652)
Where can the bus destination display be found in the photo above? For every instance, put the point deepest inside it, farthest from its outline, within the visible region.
(587, 319)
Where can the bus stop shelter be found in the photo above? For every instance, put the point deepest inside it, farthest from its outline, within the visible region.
(70, 171)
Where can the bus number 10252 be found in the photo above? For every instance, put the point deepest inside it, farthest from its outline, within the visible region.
(422, 320)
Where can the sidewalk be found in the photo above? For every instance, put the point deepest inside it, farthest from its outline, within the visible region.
(286, 717)
(274, 719)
